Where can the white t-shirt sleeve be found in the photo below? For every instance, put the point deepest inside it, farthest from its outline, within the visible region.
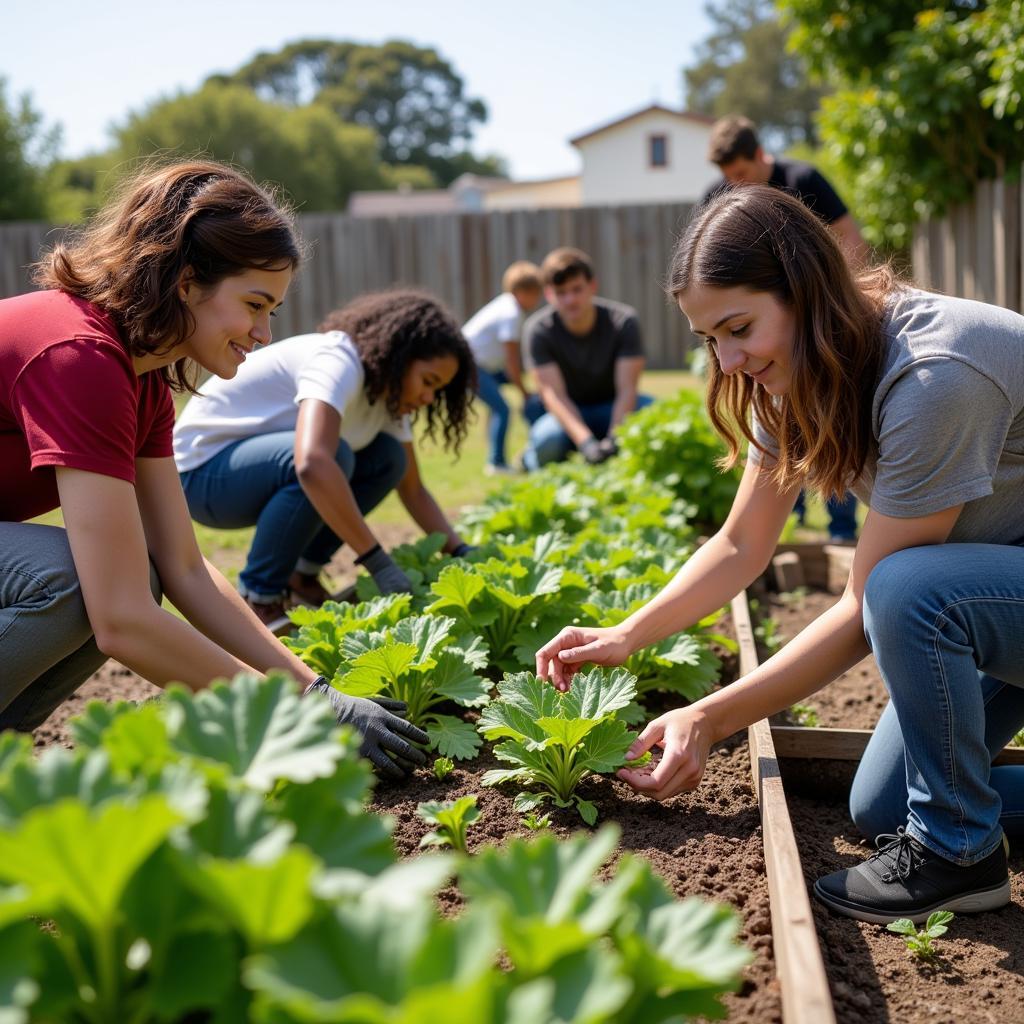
(332, 374)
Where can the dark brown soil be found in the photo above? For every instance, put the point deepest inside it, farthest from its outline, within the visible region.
(980, 976)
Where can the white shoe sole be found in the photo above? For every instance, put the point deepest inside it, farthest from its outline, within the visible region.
(969, 903)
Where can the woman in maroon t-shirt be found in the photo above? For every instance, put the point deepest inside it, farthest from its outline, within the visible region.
(184, 268)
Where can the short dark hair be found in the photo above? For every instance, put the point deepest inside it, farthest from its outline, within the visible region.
(390, 329)
(130, 258)
(733, 137)
(561, 265)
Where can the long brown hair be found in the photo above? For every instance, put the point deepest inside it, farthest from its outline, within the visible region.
(129, 260)
(390, 329)
(763, 239)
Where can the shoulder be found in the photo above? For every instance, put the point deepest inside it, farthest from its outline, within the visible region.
(541, 322)
(619, 313)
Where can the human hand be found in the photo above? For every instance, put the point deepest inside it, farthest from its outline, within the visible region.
(685, 737)
(388, 577)
(561, 658)
(609, 446)
(381, 723)
(593, 452)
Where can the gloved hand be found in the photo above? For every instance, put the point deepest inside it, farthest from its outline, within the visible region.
(593, 452)
(609, 445)
(388, 577)
(380, 723)
(462, 550)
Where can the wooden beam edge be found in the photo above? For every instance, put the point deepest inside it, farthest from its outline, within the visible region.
(806, 997)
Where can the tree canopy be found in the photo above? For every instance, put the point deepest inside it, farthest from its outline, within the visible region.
(26, 146)
(409, 96)
(744, 67)
(927, 100)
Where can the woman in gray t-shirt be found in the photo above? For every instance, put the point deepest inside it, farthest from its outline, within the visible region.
(915, 402)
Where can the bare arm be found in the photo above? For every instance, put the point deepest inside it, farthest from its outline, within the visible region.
(736, 555)
(627, 381)
(514, 365)
(420, 503)
(553, 393)
(109, 523)
(316, 443)
(827, 647)
(850, 240)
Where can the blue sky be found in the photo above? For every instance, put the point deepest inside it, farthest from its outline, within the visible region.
(547, 72)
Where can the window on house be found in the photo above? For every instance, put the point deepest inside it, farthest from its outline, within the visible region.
(658, 150)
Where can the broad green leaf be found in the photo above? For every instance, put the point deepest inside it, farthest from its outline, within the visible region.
(567, 732)
(426, 633)
(589, 987)
(89, 727)
(598, 692)
(459, 589)
(19, 971)
(237, 825)
(268, 903)
(902, 926)
(496, 776)
(452, 737)
(261, 730)
(606, 746)
(82, 861)
(525, 802)
(374, 671)
(522, 699)
(197, 972)
(15, 748)
(472, 649)
(588, 810)
(137, 741)
(454, 678)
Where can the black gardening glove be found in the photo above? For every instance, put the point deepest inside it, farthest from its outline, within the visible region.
(593, 452)
(388, 577)
(380, 723)
(609, 446)
(463, 550)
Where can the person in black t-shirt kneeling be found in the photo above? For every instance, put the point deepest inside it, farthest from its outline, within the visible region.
(736, 150)
(587, 355)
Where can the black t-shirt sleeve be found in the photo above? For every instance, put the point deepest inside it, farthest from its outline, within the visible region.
(818, 195)
(537, 339)
(630, 340)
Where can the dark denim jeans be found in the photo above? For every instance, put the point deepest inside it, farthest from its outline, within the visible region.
(253, 482)
(489, 390)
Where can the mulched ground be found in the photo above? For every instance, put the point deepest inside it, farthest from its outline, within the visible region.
(980, 976)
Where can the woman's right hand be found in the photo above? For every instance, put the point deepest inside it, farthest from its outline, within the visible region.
(575, 646)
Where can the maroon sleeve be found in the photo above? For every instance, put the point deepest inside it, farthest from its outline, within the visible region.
(78, 405)
(156, 419)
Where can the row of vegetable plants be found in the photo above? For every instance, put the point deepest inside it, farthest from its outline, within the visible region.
(210, 857)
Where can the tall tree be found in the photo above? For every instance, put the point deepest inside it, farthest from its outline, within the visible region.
(927, 100)
(409, 96)
(744, 67)
(307, 151)
(26, 147)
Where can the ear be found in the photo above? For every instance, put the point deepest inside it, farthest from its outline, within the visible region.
(186, 283)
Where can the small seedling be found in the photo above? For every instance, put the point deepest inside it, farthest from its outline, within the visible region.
(535, 822)
(805, 715)
(919, 940)
(1018, 740)
(443, 767)
(451, 819)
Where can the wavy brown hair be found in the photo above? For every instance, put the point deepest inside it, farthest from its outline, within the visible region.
(199, 216)
(763, 239)
(391, 329)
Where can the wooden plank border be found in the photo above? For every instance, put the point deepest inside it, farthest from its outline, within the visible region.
(806, 998)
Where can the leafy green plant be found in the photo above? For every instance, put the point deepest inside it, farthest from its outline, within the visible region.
(535, 822)
(554, 740)
(443, 767)
(920, 941)
(421, 661)
(1018, 740)
(805, 715)
(450, 820)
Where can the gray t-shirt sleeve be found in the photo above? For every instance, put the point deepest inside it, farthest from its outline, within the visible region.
(941, 429)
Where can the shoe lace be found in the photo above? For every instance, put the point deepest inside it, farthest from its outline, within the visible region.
(897, 852)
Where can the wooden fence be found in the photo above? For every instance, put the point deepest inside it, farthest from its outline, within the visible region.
(975, 251)
(458, 257)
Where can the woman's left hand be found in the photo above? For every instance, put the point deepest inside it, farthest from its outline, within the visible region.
(685, 737)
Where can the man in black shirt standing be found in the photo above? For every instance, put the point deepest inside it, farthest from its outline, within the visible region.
(587, 355)
(736, 150)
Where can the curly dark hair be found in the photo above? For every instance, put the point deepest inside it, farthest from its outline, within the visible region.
(391, 329)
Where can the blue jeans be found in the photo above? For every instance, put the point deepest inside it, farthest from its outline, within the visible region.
(550, 443)
(253, 482)
(946, 624)
(489, 390)
(842, 516)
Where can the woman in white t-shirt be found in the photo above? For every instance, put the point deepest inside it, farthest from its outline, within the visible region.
(915, 402)
(314, 431)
